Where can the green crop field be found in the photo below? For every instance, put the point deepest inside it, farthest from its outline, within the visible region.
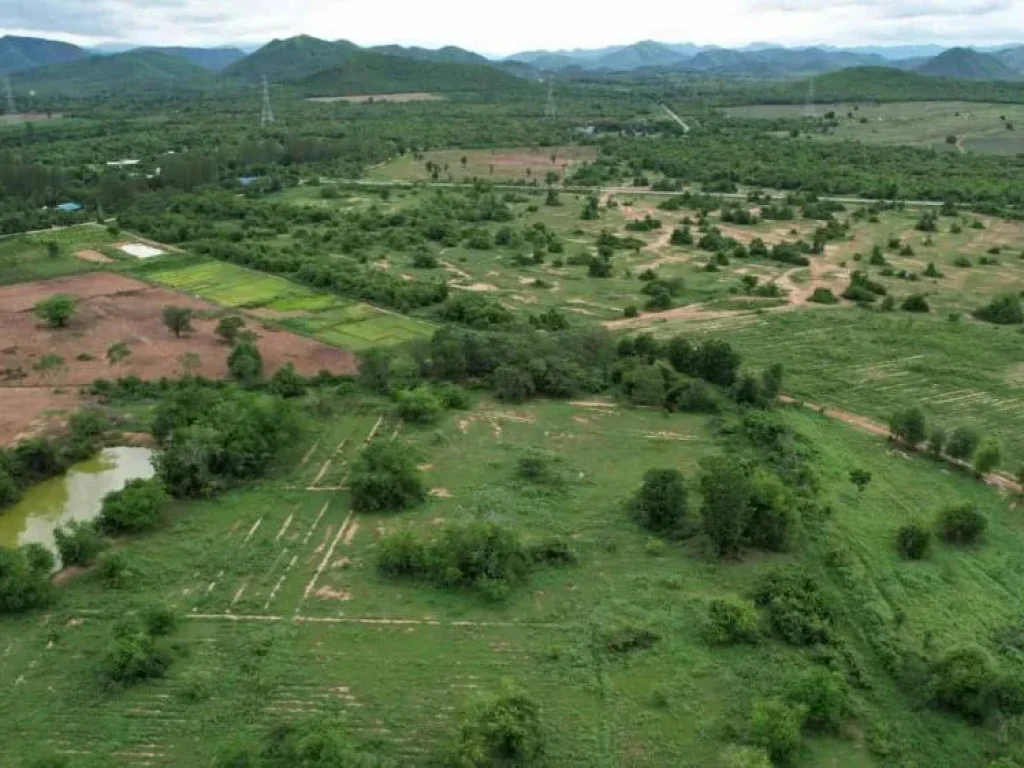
(285, 615)
(996, 128)
(324, 316)
(27, 257)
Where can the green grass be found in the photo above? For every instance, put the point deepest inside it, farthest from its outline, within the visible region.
(919, 123)
(274, 558)
(495, 165)
(25, 257)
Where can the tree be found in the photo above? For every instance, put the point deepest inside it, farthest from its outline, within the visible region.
(385, 479)
(504, 729)
(1005, 310)
(962, 443)
(136, 507)
(188, 364)
(178, 320)
(53, 249)
(860, 478)
(913, 540)
(24, 579)
(725, 487)
(731, 621)
(513, 384)
(775, 726)
(418, 406)
(988, 456)
(962, 524)
(375, 370)
(286, 382)
(245, 364)
(56, 310)
(660, 502)
(78, 543)
(915, 303)
(937, 442)
(908, 426)
(229, 327)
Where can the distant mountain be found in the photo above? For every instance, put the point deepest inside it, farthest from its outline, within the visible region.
(776, 62)
(549, 62)
(1012, 58)
(366, 72)
(642, 54)
(18, 54)
(294, 58)
(966, 64)
(214, 59)
(119, 72)
(862, 84)
(449, 53)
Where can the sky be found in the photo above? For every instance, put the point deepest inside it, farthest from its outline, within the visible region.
(496, 29)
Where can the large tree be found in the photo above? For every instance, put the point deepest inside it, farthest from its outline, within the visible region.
(56, 310)
(178, 320)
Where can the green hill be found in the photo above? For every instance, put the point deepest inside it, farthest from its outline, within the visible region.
(965, 64)
(214, 59)
(294, 58)
(121, 72)
(1013, 58)
(367, 72)
(18, 54)
(889, 84)
(449, 53)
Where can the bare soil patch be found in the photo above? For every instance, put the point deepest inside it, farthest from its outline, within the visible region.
(394, 98)
(93, 256)
(116, 309)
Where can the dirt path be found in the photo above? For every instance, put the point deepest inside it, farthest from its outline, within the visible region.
(864, 424)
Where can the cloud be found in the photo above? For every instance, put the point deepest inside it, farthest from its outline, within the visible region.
(529, 24)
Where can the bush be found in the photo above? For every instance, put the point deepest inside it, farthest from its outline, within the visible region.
(24, 579)
(823, 296)
(136, 507)
(772, 516)
(660, 503)
(798, 611)
(418, 406)
(553, 551)
(78, 543)
(113, 570)
(629, 638)
(159, 620)
(962, 443)
(775, 726)
(908, 426)
(731, 621)
(56, 310)
(245, 363)
(915, 303)
(535, 467)
(964, 681)
(913, 540)
(736, 756)
(725, 511)
(385, 478)
(504, 729)
(286, 382)
(1005, 310)
(988, 456)
(824, 698)
(134, 656)
(962, 524)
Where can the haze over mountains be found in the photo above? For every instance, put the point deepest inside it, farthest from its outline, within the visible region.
(324, 67)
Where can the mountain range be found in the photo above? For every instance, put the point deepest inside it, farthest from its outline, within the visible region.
(323, 67)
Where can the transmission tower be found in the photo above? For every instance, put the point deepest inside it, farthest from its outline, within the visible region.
(549, 108)
(267, 117)
(809, 109)
(11, 108)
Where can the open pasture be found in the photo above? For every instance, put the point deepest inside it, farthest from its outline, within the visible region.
(285, 615)
(522, 164)
(980, 127)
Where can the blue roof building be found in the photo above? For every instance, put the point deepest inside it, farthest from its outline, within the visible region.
(246, 181)
(69, 207)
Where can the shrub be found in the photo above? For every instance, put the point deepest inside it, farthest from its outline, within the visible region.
(286, 382)
(535, 467)
(660, 503)
(418, 406)
(988, 456)
(1005, 310)
(135, 507)
(823, 296)
(452, 396)
(229, 327)
(78, 543)
(962, 524)
(798, 611)
(385, 478)
(24, 580)
(824, 698)
(245, 363)
(56, 310)
(908, 426)
(629, 638)
(133, 656)
(913, 540)
(937, 442)
(731, 621)
(725, 488)
(962, 443)
(736, 756)
(772, 516)
(159, 620)
(113, 570)
(552, 551)
(503, 729)
(915, 303)
(775, 726)
(965, 681)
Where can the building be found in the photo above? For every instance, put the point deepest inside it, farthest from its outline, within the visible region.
(69, 207)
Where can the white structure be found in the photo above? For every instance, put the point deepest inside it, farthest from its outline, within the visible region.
(140, 251)
(122, 163)
(267, 116)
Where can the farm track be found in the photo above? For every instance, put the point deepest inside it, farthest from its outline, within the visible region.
(995, 479)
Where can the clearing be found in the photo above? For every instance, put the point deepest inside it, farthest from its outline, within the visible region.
(379, 98)
(514, 164)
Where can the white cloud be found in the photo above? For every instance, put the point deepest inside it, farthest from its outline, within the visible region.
(494, 28)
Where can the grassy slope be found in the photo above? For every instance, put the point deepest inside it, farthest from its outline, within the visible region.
(667, 706)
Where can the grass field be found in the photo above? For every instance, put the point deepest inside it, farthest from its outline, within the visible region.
(323, 316)
(286, 616)
(981, 127)
(512, 164)
(26, 257)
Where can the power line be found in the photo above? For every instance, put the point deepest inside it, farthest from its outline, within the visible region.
(267, 116)
(9, 94)
(550, 110)
(809, 109)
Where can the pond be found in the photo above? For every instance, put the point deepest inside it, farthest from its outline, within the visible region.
(75, 495)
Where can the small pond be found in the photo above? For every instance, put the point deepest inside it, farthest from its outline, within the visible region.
(75, 495)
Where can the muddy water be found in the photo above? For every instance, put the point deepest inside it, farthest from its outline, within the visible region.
(76, 495)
